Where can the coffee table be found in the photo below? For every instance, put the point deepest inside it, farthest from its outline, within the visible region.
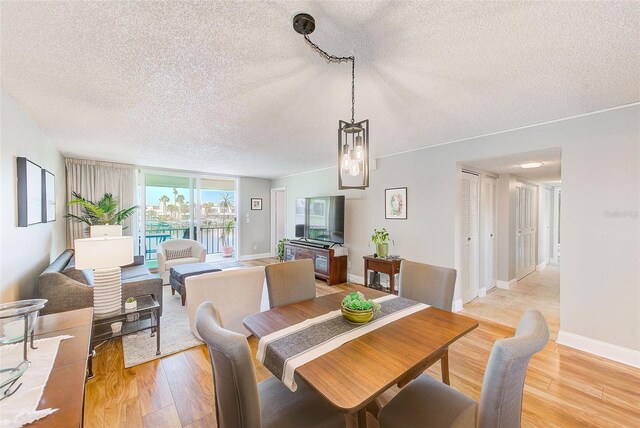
(148, 311)
(179, 273)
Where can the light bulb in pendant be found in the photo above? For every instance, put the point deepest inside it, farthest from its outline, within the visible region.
(355, 168)
(346, 159)
(359, 149)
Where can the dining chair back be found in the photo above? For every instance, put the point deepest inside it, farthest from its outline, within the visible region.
(426, 402)
(432, 285)
(290, 282)
(503, 384)
(234, 376)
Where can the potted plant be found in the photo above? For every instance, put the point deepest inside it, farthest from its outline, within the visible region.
(228, 224)
(280, 249)
(227, 231)
(102, 217)
(357, 309)
(130, 304)
(381, 239)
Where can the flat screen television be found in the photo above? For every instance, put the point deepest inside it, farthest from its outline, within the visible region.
(320, 218)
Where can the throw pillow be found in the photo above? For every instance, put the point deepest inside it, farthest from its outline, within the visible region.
(178, 253)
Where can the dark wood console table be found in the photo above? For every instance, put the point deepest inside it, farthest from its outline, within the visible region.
(378, 264)
(65, 387)
(326, 264)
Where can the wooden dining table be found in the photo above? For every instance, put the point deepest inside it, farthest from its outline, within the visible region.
(354, 375)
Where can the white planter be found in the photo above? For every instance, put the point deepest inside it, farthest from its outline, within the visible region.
(105, 230)
(130, 306)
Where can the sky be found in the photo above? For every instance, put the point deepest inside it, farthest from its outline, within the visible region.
(154, 194)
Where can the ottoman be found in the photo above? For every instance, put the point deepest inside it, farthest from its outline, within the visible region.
(178, 274)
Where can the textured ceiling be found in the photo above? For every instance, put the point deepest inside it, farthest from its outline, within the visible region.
(230, 88)
(549, 172)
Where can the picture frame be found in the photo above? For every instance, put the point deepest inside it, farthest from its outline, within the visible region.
(30, 192)
(395, 203)
(256, 204)
(48, 196)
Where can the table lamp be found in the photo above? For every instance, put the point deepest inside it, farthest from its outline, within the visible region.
(105, 255)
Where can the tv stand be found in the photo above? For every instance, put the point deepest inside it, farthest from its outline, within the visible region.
(326, 264)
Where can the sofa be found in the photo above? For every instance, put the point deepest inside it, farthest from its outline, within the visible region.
(67, 288)
(197, 254)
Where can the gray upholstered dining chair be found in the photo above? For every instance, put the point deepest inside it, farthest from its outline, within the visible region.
(432, 285)
(426, 402)
(290, 282)
(242, 402)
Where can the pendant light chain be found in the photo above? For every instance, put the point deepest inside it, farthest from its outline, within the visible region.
(338, 60)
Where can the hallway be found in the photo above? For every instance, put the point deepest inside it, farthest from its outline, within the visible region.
(539, 290)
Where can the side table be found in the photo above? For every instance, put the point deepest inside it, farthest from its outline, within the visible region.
(383, 265)
(148, 311)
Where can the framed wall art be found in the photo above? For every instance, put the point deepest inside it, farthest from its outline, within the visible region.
(48, 196)
(30, 209)
(395, 203)
(256, 203)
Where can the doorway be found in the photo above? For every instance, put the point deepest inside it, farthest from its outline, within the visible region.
(526, 235)
(278, 217)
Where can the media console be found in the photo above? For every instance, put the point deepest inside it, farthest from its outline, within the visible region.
(327, 265)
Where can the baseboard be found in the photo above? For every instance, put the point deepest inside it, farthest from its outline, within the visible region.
(601, 349)
(355, 279)
(482, 292)
(541, 266)
(255, 256)
(457, 305)
(506, 285)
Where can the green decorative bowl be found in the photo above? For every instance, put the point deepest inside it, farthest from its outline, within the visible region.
(357, 317)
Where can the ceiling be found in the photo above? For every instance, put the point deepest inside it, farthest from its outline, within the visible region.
(548, 173)
(228, 87)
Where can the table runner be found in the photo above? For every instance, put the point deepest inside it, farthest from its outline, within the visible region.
(20, 408)
(285, 350)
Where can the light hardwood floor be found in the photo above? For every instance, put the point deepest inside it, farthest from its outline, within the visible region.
(564, 387)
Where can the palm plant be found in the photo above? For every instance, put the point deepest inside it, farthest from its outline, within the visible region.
(102, 212)
(227, 224)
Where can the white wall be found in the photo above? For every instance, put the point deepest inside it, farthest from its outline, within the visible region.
(255, 236)
(600, 273)
(26, 251)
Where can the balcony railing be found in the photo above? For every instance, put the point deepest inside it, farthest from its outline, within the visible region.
(208, 236)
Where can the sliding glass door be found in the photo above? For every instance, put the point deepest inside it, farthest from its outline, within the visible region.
(181, 206)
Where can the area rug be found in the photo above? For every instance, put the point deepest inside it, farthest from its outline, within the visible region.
(175, 334)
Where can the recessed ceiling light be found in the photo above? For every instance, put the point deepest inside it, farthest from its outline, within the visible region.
(531, 165)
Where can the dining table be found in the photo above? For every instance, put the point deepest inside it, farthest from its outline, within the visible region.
(352, 376)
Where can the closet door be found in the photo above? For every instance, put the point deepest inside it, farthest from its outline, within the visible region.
(489, 226)
(469, 236)
(526, 233)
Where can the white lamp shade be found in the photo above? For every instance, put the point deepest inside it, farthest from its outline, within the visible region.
(104, 252)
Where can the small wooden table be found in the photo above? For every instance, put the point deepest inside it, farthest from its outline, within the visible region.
(383, 265)
(393, 354)
(65, 387)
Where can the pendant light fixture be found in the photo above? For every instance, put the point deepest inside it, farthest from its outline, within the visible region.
(353, 137)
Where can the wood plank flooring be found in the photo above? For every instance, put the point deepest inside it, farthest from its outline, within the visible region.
(564, 387)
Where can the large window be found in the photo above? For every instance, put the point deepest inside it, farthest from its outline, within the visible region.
(189, 207)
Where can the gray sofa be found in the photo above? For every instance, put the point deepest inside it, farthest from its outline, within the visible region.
(68, 288)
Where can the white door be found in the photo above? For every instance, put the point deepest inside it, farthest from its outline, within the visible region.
(526, 233)
(469, 236)
(278, 217)
(489, 226)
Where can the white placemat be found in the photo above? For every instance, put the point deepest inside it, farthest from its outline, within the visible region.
(20, 408)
